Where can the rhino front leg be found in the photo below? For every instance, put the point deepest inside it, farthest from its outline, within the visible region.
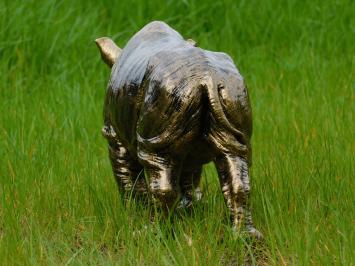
(127, 171)
(234, 179)
(189, 183)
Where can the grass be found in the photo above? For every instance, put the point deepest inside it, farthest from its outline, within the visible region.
(58, 200)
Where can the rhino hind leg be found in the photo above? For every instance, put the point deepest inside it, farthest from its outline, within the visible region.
(233, 173)
(162, 174)
(128, 172)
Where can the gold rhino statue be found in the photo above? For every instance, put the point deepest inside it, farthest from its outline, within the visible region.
(171, 107)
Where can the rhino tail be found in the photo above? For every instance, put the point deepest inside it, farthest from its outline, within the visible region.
(220, 120)
(109, 50)
(215, 105)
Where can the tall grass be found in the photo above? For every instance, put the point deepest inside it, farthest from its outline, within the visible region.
(58, 200)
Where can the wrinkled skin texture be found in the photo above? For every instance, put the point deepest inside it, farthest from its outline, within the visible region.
(171, 107)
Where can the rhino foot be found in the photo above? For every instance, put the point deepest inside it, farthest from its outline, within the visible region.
(188, 199)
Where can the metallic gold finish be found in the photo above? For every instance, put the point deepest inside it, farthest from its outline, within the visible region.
(108, 49)
(171, 107)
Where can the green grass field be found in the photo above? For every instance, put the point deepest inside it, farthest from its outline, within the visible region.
(59, 203)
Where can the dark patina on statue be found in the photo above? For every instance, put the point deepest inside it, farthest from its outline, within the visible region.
(171, 107)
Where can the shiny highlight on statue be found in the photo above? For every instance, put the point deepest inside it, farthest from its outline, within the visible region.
(171, 107)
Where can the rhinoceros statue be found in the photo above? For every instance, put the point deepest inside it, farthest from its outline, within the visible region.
(171, 107)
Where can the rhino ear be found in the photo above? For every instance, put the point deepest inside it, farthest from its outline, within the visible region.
(108, 49)
(192, 42)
